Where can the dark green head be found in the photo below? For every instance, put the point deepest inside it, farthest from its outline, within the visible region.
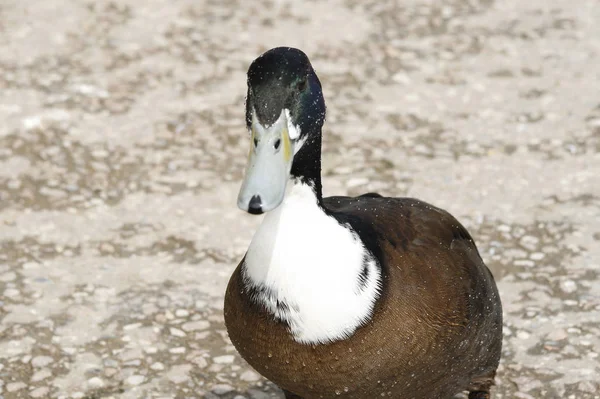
(285, 111)
(283, 79)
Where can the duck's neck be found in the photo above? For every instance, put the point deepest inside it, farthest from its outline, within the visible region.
(307, 164)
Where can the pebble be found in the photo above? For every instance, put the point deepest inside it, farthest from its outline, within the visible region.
(557, 335)
(135, 379)
(182, 313)
(529, 242)
(158, 366)
(568, 286)
(179, 349)
(524, 262)
(8, 276)
(200, 362)
(177, 332)
(356, 181)
(95, 382)
(132, 326)
(222, 389)
(110, 371)
(587, 386)
(11, 292)
(41, 392)
(40, 375)
(179, 373)
(225, 359)
(15, 386)
(41, 361)
(256, 394)
(249, 376)
(537, 256)
(196, 325)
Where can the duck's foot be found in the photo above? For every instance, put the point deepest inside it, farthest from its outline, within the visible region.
(289, 395)
(479, 395)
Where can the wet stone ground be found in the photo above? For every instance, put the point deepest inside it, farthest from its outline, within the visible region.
(121, 150)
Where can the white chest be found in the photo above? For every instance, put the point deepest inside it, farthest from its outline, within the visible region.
(318, 270)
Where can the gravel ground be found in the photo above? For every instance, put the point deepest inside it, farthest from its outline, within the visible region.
(121, 150)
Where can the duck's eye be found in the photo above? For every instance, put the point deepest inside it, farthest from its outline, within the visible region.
(255, 142)
(301, 85)
(277, 143)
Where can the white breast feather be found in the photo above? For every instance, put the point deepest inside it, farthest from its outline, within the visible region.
(312, 263)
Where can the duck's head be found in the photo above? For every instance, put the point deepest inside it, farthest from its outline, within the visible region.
(285, 111)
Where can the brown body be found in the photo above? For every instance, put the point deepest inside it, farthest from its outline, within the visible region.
(436, 329)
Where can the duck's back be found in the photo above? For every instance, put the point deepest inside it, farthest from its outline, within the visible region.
(436, 328)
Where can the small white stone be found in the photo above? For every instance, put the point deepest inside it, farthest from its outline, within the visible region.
(557, 335)
(135, 379)
(41, 361)
(11, 292)
(30, 265)
(537, 256)
(15, 386)
(568, 286)
(95, 382)
(132, 326)
(201, 335)
(196, 325)
(504, 228)
(158, 366)
(69, 350)
(8, 276)
(200, 304)
(41, 392)
(32, 122)
(179, 373)
(179, 349)
(356, 181)
(524, 262)
(200, 362)
(225, 359)
(587, 386)
(523, 334)
(249, 376)
(176, 332)
(222, 389)
(182, 313)
(40, 375)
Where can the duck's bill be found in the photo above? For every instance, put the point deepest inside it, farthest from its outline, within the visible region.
(268, 169)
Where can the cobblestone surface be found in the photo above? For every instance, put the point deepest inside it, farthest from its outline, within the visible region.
(121, 150)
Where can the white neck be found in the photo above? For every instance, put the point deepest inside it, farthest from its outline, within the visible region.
(310, 271)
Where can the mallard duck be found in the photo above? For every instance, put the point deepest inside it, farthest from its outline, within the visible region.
(353, 297)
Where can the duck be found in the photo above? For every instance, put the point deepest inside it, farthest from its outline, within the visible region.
(349, 297)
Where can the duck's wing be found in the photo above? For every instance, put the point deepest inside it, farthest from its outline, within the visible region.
(437, 284)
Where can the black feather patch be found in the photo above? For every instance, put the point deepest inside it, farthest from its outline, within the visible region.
(363, 276)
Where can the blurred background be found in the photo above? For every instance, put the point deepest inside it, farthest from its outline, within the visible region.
(122, 144)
